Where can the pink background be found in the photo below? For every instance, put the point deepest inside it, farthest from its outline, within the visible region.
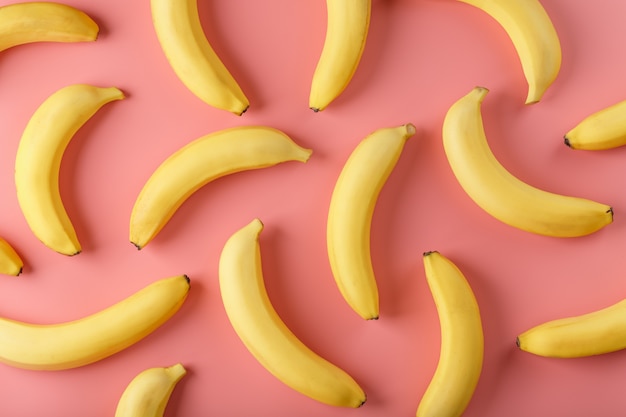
(420, 57)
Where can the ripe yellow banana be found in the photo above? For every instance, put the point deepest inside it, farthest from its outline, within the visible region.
(604, 129)
(148, 393)
(29, 22)
(589, 334)
(51, 347)
(201, 161)
(266, 336)
(534, 37)
(191, 56)
(501, 194)
(10, 261)
(462, 343)
(350, 216)
(346, 33)
(39, 155)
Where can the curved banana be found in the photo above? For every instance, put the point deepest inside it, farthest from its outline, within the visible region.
(462, 344)
(346, 33)
(148, 393)
(534, 37)
(266, 336)
(29, 22)
(192, 57)
(51, 347)
(604, 129)
(594, 333)
(350, 216)
(38, 161)
(501, 194)
(196, 164)
(10, 261)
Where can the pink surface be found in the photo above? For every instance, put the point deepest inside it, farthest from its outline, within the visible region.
(420, 57)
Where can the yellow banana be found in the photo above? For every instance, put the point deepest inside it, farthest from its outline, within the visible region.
(346, 33)
(148, 393)
(58, 346)
(589, 334)
(462, 343)
(39, 155)
(203, 160)
(192, 57)
(501, 194)
(534, 37)
(266, 336)
(350, 216)
(604, 129)
(10, 261)
(29, 22)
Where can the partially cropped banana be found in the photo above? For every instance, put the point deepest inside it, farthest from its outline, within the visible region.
(201, 161)
(266, 336)
(350, 215)
(604, 129)
(192, 57)
(51, 347)
(598, 332)
(348, 23)
(502, 195)
(28, 22)
(148, 393)
(39, 155)
(462, 343)
(534, 37)
(10, 261)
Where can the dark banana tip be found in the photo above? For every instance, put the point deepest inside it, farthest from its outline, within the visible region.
(363, 402)
(243, 111)
(517, 342)
(187, 278)
(567, 142)
(136, 245)
(429, 252)
(373, 318)
(19, 272)
(315, 109)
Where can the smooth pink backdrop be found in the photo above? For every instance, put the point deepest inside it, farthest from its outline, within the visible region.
(420, 57)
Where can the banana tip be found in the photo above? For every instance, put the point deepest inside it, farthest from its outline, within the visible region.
(517, 342)
(177, 371)
(534, 95)
(567, 142)
(306, 154)
(137, 245)
(243, 111)
(410, 129)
